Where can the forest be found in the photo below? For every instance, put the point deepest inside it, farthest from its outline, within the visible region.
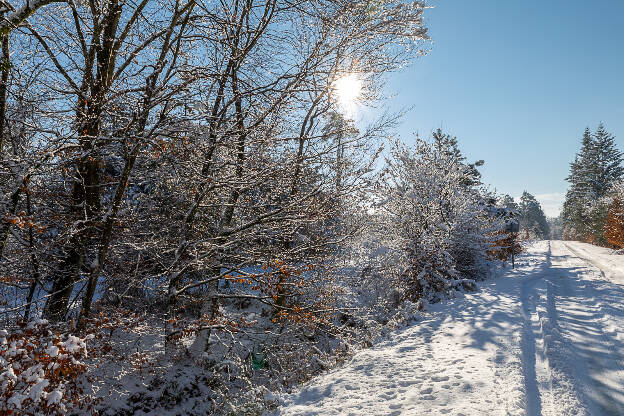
(193, 220)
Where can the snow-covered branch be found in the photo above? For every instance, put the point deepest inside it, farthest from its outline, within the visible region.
(14, 17)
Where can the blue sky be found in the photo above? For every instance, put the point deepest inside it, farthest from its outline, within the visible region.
(517, 83)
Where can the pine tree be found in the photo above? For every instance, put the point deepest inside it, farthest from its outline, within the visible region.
(509, 203)
(593, 172)
(532, 218)
(609, 167)
(447, 145)
(582, 169)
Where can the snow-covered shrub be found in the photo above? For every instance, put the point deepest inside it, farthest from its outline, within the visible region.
(40, 370)
(501, 245)
(429, 199)
(273, 329)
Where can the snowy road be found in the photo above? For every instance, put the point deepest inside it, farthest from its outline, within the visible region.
(544, 339)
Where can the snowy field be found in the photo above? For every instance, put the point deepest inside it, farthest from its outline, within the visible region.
(543, 339)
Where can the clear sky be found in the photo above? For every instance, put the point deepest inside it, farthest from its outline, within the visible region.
(517, 82)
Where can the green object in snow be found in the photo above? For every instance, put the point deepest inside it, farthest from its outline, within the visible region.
(258, 360)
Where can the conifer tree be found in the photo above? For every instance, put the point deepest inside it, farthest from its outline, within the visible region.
(508, 202)
(447, 146)
(532, 218)
(609, 167)
(593, 172)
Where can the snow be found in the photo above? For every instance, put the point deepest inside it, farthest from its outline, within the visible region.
(604, 259)
(36, 322)
(74, 344)
(33, 374)
(16, 400)
(9, 374)
(543, 339)
(55, 396)
(52, 351)
(37, 391)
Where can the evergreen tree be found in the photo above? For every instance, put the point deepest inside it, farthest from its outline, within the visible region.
(508, 203)
(593, 172)
(609, 167)
(447, 146)
(556, 229)
(582, 170)
(532, 218)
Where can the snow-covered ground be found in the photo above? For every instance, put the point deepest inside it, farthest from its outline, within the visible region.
(543, 339)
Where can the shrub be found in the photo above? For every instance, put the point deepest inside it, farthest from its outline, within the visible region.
(40, 371)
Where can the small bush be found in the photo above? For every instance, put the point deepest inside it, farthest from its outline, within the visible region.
(40, 371)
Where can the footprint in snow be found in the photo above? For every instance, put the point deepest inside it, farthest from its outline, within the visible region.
(428, 390)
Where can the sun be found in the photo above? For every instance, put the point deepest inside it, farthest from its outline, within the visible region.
(347, 90)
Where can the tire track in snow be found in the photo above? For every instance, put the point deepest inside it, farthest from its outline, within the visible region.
(546, 354)
(529, 350)
(602, 359)
(563, 393)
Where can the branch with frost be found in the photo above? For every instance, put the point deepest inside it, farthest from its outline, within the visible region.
(16, 17)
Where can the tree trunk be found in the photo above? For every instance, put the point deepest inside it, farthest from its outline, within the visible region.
(86, 205)
(36, 276)
(209, 309)
(5, 64)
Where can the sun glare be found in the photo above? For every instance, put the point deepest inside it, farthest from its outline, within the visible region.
(348, 89)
